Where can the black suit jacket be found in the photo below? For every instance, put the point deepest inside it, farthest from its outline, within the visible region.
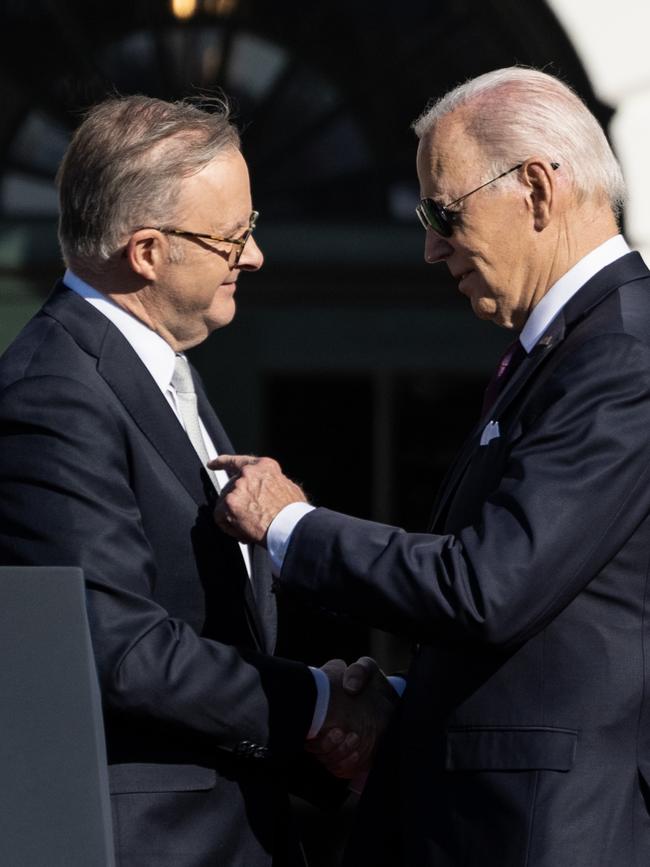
(202, 723)
(524, 734)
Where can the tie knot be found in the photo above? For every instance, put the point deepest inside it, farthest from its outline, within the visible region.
(182, 376)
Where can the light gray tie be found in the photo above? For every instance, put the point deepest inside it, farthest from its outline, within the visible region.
(189, 411)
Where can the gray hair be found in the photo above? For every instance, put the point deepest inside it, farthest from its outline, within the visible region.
(124, 165)
(516, 113)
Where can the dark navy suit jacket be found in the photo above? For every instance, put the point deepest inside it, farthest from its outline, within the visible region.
(203, 724)
(523, 739)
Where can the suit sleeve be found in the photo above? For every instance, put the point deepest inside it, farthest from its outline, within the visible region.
(574, 488)
(66, 500)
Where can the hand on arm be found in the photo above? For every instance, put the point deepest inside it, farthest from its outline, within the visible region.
(362, 701)
(256, 492)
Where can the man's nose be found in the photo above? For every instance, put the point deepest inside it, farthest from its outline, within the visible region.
(252, 257)
(436, 248)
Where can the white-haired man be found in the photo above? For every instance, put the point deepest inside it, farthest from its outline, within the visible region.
(524, 733)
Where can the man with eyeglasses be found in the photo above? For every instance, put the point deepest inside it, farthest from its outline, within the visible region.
(523, 736)
(105, 432)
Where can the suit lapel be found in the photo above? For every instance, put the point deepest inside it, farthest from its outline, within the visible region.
(147, 406)
(626, 269)
(519, 379)
(259, 581)
(123, 371)
(126, 375)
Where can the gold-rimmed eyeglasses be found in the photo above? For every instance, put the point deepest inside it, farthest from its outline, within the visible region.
(239, 243)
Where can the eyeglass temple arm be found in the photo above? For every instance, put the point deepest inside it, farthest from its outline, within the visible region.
(486, 184)
(554, 166)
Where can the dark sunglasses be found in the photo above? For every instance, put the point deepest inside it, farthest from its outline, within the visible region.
(439, 218)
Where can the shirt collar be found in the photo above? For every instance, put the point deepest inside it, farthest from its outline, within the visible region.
(154, 352)
(566, 287)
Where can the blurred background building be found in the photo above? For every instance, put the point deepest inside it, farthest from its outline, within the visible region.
(351, 361)
(355, 364)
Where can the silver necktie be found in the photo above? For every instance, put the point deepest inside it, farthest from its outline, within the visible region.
(188, 409)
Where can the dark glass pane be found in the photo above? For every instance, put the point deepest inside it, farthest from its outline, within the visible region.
(319, 428)
(39, 144)
(433, 414)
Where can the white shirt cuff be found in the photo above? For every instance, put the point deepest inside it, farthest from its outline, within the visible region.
(322, 702)
(279, 533)
(398, 683)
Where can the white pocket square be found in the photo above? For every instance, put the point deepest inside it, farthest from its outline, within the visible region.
(490, 432)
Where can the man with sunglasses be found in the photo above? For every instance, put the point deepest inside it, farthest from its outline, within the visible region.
(523, 736)
(105, 432)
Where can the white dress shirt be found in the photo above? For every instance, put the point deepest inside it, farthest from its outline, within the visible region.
(567, 286)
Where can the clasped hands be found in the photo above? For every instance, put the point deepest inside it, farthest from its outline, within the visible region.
(361, 698)
(362, 701)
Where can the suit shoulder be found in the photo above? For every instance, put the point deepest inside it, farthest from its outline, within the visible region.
(626, 311)
(607, 349)
(46, 370)
(44, 347)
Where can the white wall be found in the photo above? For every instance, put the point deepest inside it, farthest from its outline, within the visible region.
(612, 40)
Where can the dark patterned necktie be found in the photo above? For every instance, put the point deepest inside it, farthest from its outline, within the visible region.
(508, 363)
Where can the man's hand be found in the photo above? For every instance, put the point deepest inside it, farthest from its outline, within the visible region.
(361, 703)
(256, 492)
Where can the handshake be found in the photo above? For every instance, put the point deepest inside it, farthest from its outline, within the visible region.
(362, 701)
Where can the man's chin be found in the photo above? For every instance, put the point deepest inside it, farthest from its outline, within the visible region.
(485, 308)
(221, 318)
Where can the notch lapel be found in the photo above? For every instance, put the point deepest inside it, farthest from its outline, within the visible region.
(121, 368)
(512, 388)
(132, 384)
(148, 407)
(257, 586)
(125, 374)
(624, 270)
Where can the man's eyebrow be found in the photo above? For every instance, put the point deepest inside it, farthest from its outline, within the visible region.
(238, 226)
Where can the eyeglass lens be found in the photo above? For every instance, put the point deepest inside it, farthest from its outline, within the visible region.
(434, 216)
(239, 247)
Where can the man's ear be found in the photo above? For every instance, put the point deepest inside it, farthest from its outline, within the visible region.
(538, 175)
(145, 252)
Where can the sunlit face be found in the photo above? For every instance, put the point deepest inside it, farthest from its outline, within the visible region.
(492, 253)
(194, 290)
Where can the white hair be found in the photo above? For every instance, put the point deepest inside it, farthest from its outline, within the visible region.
(516, 113)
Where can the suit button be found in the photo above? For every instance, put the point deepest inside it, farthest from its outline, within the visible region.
(251, 750)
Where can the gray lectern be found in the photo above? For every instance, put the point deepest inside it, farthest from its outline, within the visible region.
(54, 805)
